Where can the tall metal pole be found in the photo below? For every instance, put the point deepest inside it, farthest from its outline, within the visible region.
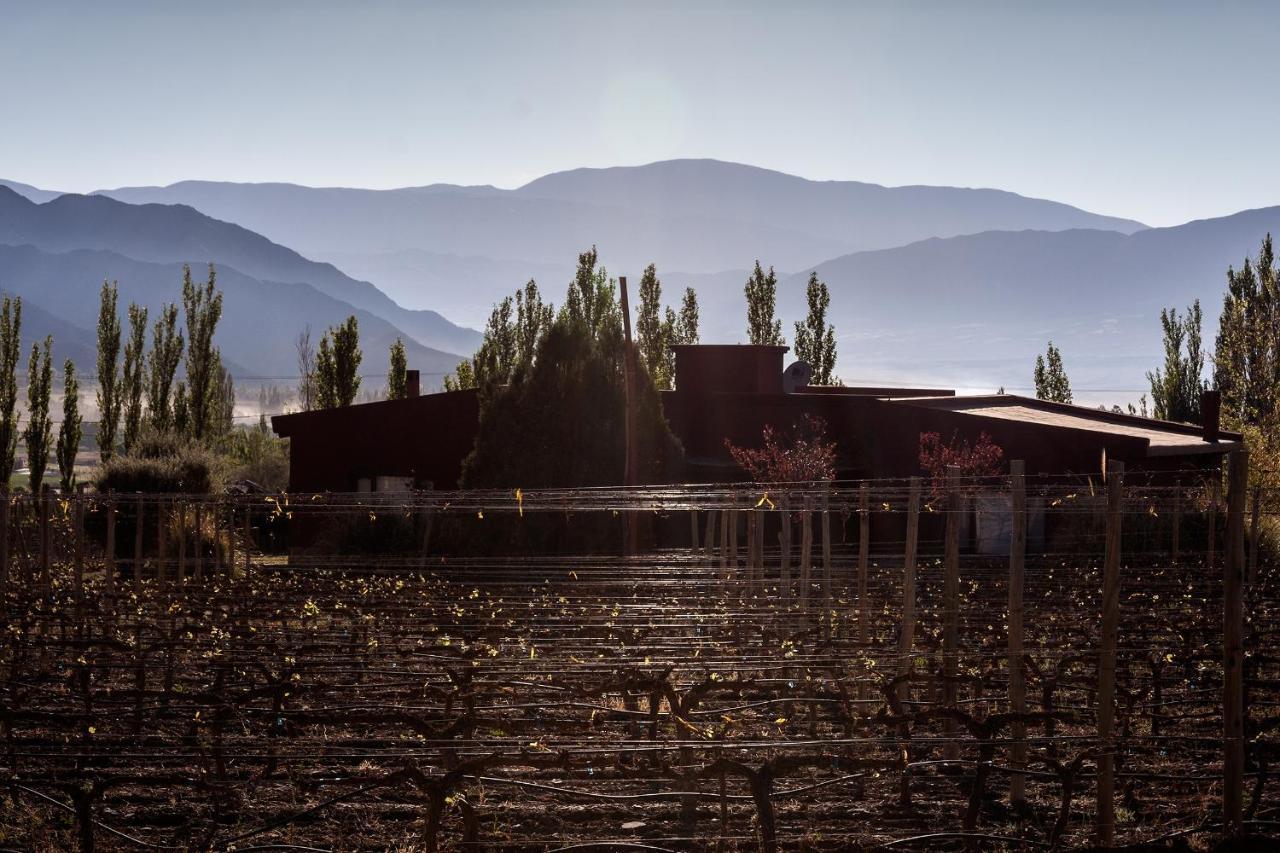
(629, 395)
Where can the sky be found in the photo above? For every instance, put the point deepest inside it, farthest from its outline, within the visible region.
(1161, 111)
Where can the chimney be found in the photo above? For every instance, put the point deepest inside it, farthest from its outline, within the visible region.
(412, 386)
(1210, 413)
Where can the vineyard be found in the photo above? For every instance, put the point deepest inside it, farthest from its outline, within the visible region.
(771, 669)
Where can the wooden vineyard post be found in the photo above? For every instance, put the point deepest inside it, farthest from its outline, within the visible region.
(864, 558)
(162, 505)
(46, 541)
(951, 608)
(78, 577)
(1233, 647)
(198, 553)
(4, 544)
(806, 553)
(724, 545)
(709, 539)
(111, 544)
(230, 552)
(693, 532)
(734, 575)
(1215, 493)
(907, 635)
(826, 555)
(784, 541)
(1017, 684)
(751, 551)
(761, 521)
(1107, 658)
(248, 540)
(1254, 533)
(1175, 546)
(137, 547)
(182, 541)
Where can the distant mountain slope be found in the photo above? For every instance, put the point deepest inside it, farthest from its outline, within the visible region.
(260, 319)
(168, 233)
(702, 216)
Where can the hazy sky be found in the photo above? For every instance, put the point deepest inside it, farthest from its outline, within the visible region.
(1159, 111)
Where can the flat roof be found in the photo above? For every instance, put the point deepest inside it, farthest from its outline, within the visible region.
(1162, 437)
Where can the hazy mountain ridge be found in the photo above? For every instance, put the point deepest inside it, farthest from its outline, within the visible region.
(260, 319)
(173, 232)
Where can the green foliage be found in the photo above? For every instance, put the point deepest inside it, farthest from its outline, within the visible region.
(511, 337)
(687, 322)
(338, 365)
(202, 307)
(1176, 390)
(225, 414)
(815, 337)
(39, 432)
(592, 304)
(163, 464)
(397, 383)
(762, 294)
(1051, 378)
(654, 334)
(108, 371)
(162, 366)
(132, 382)
(69, 431)
(260, 456)
(563, 423)
(306, 370)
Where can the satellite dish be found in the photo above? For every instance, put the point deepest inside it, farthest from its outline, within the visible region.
(796, 376)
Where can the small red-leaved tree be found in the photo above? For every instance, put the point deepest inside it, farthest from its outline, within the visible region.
(803, 456)
(982, 459)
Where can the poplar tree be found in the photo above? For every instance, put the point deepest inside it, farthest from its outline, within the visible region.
(162, 366)
(533, 318)
(338, 365)
(10, 352)
(70, 430)
(39, 431)
(1176, 390)
(815, 337)
(1051, 377)
(762, 293)
(132, 382)
(306, 354)
(108, 394)
(202, 306)
(687, 322)
(1247, 349)
(654, 332)
(397, 384)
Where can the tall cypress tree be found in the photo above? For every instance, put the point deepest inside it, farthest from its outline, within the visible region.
(162, 366)
(338, 365)
(39, 431)
(1176, 390)
(815, 337)
(687, 322)
(762, 293)
(108, 371)
(132, 382)
(10, 352)
(69, 431)
(397, 387)
(654, 333)
(202, 306)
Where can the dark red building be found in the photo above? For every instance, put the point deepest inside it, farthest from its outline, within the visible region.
(733, 391)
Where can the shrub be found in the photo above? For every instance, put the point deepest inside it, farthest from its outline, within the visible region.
(160, 464)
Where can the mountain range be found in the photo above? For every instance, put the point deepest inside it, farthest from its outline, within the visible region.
(929, 284)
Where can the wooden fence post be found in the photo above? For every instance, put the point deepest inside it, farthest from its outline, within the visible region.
(826, 555)
(734, 575)
(137, 546)
(1254, 533)
(1233, 647)
(4, 543)
(161, 536)
(1175, 546)
(806, 553)
(78, 577)
(111, 544)
(907, 635)
(864, 558)
(182, 540)
(248, 540)
(951, 609)
(198, 555)
(1107, 658)
(46, 540)
(1017, 684)
(751, 515)
(784, 541)
(693, 531)
(709, 538)
(724, 544)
